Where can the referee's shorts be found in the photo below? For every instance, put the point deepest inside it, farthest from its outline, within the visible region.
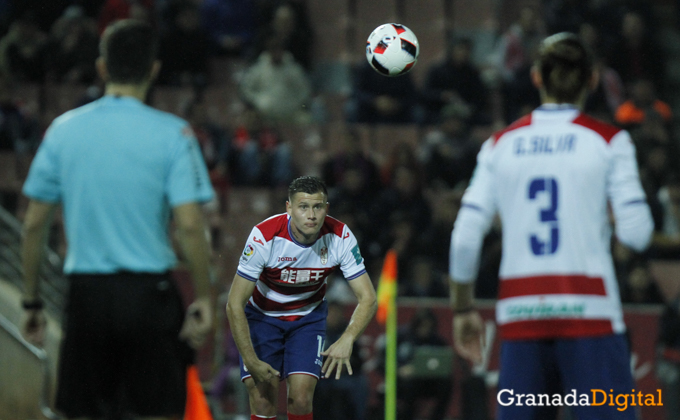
(121, 353)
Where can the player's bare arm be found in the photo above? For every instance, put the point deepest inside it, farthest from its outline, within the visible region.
(468, 326)
(338, 354)
(240, 292)
(36, 227)
(193, 240)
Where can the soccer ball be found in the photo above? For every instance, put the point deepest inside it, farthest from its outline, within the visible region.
(392, 49)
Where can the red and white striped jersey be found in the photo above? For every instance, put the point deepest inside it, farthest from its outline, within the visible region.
(551, 177)
(291, 277)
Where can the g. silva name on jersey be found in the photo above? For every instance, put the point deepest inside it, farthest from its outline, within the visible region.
(545, 144)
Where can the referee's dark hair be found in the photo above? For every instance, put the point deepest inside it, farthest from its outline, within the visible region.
(307, 184)
(129, 48)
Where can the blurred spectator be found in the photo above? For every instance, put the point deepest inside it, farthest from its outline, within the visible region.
(230, 25)
(666, 243)
(289, 22)
(448, 153)
(518, 43)
(668, 358)
(260, 159)
(377, 99)
(422, 280)
(114, 10)
(277, 86)
(639, 286)
(184, 48)
(44, 13)
(456, 81)
(19, 138)
(351, 158)
(73, 48)
(413, 389)
(19, 132)
(436, 238)
(643, 104)
(399, 214)
(215, 145)
(610, 92)
(402, 154)
(635, 55)
(564, 15)
(344, 398)
(23, 51)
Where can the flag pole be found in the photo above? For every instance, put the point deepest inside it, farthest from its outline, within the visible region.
(387, 315)
(391, 362)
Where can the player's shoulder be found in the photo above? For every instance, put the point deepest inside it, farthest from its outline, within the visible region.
(603, 130)
(520, 123)
(333, 226)
(273, 226)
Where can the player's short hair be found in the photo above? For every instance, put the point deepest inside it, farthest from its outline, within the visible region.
(129, 48)
(307, 184)
(566, 66)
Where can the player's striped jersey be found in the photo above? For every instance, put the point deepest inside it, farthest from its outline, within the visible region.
(552, 176)
(291, 277)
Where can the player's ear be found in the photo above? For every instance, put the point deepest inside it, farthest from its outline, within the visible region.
(288, 208)
(594, 80)
(536, 78)
(102, 71)
(155, 69)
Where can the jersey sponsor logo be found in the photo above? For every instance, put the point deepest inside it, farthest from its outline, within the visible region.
(346, 235)
(259, 241)
(324, 255)
(248, 252)
(293, 276)
(547, 310)
(288, 259)
(357, 254)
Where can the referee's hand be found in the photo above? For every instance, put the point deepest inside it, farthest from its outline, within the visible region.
(33, 325)
(198, 322)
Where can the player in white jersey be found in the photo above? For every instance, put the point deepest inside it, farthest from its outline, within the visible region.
(276, 306)
(552, 177)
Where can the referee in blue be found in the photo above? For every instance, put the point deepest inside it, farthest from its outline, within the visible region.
(120, 170)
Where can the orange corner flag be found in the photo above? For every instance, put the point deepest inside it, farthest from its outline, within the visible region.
(387, 288)
(197, 405)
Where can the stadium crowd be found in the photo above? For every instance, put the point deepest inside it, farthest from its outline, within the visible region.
(405, 197)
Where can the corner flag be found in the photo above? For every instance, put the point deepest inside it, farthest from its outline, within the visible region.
(387, 315)
(387, 288)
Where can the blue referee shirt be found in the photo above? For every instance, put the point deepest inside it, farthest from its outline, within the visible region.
(118, 167)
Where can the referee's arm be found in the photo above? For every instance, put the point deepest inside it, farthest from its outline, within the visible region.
(193, 239)
(37, 222)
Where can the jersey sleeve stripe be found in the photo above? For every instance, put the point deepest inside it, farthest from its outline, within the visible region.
(473, 207)
(246, 276)
(354, 276)
(638, 201)
(551, 285)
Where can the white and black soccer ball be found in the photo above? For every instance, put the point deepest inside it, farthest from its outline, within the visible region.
(392, 49)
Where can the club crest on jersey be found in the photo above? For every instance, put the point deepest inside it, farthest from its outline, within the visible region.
(248, 252)
(324, 255)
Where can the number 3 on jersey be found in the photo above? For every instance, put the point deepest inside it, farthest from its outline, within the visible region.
(546, 215)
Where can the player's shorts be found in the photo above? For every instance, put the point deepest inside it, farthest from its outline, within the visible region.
(121, 352)
(561, 366)
(290, 347)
